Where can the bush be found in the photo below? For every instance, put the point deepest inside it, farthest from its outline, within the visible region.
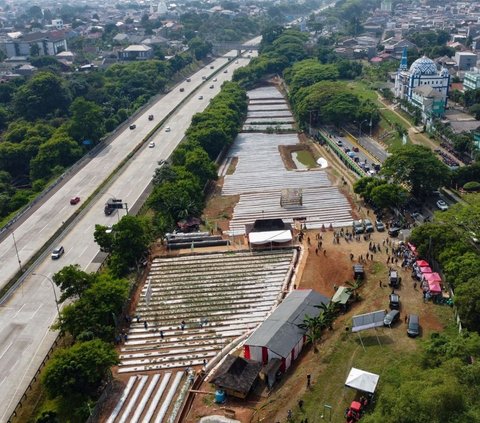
(472, 186)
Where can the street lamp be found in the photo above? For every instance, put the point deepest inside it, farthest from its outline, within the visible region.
(16, 251)
(53, 287)
(360, 127)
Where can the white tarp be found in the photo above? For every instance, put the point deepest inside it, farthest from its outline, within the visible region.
(362, 380)
(368, 321)
(259, 238)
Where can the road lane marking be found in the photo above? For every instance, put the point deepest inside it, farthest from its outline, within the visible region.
(6, 349)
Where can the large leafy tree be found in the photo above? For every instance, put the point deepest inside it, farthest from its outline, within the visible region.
(93, 315)
(43, 95)
(79, 370)
(87, 120)
(416, 167)
(73, 282)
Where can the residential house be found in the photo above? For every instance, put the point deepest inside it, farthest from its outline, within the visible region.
(136, 52)
(45, 43)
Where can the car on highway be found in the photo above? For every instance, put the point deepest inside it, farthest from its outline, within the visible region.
(200, 97)
(204, 77)
(74, 200)
(340, 143)
(236, 61)
(58, 252)
(379, 225)
(356, 149)
(350, 154)
(151, 145)
(182, 90)
(109, 229)
(391, 317)
(225, 71)
(133, 126)
(188, 79)
(442, 205)
(346, 149)
(167, 129)
(212, 67)
(150, 117)
(214, 79)
(368, 225)
(212, 86)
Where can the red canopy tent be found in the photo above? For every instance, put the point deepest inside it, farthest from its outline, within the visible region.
(432, 277)
(434, 287)
(422, 263)
(426, 269)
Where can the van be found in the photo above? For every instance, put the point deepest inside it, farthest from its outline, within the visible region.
(413, 328)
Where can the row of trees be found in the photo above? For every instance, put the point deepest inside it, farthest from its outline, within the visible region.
(50, 121)
(178, 186)
(73, 377)
(452, 239)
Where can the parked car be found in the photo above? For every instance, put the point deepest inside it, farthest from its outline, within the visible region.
(394, 231)
(368, 225)
(413, 328)
(379, 225)
(442, 205)
(391, 317)
(74, 200)
(394, 301)
(358, 227)
(393, 279)
(150, 117)
(58, 252)
(151, 145)
(133, 126)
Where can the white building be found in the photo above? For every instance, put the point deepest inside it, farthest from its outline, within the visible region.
(422, 73)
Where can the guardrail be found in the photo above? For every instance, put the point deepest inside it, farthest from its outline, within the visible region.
(79, 213)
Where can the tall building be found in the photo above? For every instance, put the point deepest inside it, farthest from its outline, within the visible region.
(423, 86)
(471, 80)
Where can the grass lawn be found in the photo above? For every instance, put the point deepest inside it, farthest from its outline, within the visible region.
(363, 91)
(306, 158)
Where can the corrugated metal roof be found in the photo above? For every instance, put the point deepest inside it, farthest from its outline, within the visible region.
(280, 331)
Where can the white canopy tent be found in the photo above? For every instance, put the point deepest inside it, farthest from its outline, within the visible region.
(362, 380)
(259, 238)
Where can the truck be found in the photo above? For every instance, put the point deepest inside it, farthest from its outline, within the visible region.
(111, 205)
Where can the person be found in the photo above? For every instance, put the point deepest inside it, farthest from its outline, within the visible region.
(380, 284)
(309, 378)
(289, 415)
(161, 334)
(145, 325)
(300, 404)
(406, 318)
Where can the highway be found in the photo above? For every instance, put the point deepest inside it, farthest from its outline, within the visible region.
(25, 319)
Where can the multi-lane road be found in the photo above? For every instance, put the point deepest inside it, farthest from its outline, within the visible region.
(25, 319)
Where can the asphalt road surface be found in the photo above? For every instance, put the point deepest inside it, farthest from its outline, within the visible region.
(25, 320)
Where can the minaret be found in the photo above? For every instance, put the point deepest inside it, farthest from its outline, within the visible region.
(404, 62)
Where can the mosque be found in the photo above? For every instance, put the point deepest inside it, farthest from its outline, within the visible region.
(423, 86)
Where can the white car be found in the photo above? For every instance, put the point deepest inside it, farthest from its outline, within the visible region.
(214, 79)
(151, 145)
(167, 129)
(442, 205)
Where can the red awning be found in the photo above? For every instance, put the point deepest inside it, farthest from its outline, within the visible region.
(426, 269)
(432, 277)
(434, 287)
(422, 263)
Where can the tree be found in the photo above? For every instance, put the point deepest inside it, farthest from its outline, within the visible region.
(34, 50)
(354, 287)
(417, 167)
(87, 120)
(78, 370)
(41, 96)
(94, 313)
(198, 163)
(313, 329)
(73, 282)
(389, 196)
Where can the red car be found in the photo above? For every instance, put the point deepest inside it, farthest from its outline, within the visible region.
(74, 200)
